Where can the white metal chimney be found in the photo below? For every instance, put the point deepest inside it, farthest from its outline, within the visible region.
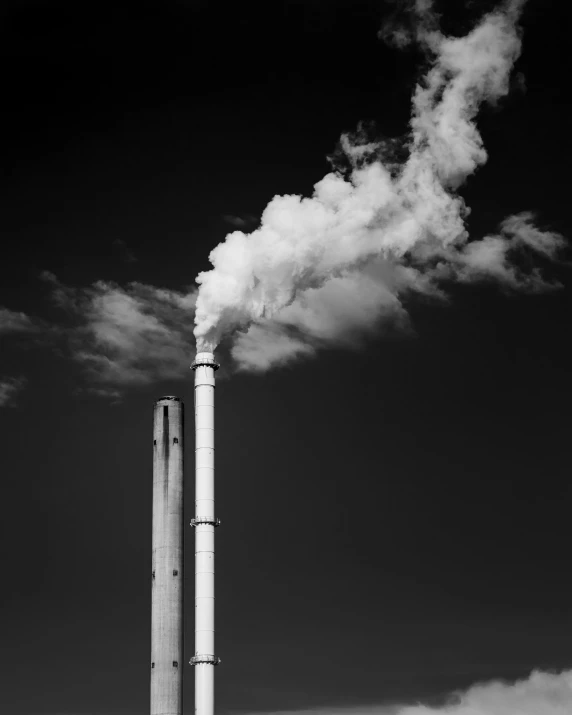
(167, 560)
(204, 522)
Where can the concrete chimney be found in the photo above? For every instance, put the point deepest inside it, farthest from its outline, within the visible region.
(167, 561)
(204, 522)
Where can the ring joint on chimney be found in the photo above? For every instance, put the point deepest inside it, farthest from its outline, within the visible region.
(208, 659)
(204, 360)
(205, 520)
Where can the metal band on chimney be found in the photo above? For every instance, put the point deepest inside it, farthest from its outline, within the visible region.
(213, 521)
(204, 659)
(203, 359)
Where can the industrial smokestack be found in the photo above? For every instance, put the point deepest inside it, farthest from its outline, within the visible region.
(167, 566)
(204, 522)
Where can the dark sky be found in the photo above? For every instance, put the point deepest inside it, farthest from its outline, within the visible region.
(396, 521)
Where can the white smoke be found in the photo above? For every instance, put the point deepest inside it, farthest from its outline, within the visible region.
(540, 694)
(330, 268)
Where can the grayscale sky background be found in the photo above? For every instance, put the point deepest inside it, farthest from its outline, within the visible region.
(396, 519)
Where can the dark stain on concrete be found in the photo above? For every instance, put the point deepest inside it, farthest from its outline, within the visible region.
(166, 445)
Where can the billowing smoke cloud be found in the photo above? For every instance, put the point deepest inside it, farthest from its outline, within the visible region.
(127, 336)
(540, 694)
(333, 267)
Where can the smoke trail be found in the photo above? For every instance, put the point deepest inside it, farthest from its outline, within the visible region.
(329, 268)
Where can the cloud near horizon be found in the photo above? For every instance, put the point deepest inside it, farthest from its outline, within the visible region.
(542, 693)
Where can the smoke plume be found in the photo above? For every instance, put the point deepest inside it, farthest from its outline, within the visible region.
(331, 268)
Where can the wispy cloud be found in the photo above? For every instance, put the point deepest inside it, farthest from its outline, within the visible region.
(15, 322)
(10, 387)
(128, 335)
(109, 393)
(240, 221)
(123, 251)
